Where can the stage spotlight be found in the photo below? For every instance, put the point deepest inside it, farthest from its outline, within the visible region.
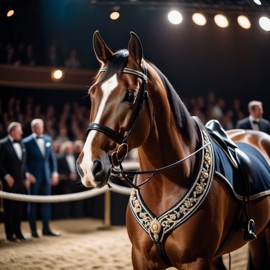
(221, 20)
(175, 17)
(115, 14)
(258, 2)
(57, 74)
(199, 19)
(264, 23)
(244, 21)
(10, 12)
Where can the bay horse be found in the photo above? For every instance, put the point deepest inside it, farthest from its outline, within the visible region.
(183, 211)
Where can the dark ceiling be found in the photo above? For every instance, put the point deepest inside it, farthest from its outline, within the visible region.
(209, 4)
(233, 62)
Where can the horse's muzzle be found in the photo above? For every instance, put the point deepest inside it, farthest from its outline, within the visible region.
(101, 171)
(97, 175)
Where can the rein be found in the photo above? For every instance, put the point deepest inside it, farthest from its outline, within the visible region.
(123, 174)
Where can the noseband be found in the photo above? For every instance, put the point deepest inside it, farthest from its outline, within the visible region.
(112, 134)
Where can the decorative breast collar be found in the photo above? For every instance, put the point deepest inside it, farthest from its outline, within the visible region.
(159, 227)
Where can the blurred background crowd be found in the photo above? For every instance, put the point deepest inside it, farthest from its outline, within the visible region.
(68, 120)
(28, 54)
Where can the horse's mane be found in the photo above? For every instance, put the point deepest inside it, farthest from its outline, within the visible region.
(182, 117)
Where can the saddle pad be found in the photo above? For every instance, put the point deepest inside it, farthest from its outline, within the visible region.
(260, 169)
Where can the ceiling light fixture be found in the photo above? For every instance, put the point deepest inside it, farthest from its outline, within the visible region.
(221, 20)
(199, 19)
(115, 14)
(244, 21)
(10, 12)
(175, 17)
(264, 23)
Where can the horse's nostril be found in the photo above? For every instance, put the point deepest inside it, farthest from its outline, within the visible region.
(101, 170)
(97, 168)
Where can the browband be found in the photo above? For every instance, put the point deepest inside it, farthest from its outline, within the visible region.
(130, 71)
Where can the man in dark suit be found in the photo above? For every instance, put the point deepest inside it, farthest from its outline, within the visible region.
(42, 166)
(13, 176)
(254, 120)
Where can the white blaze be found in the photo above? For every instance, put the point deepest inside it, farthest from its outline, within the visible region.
(86, 165)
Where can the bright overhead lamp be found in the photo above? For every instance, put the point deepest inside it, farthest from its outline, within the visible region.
(221, 20)
(175, 17)
(258, 2)
(115, 14)
(10, 12)
(244, 21)
(57, 74)
(264, 23)
(199, 19)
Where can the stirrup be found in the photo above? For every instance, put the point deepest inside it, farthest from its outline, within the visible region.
(250, 233)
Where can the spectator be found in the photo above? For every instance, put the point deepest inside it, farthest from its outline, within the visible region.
(237, 111)
(217, 111)
(62, 136)
(69, 183)
(41, 163)
(14, 177)
(254, 120)
(30, 56)
(72, 61)
(10, 58)
(53, 56)
(78, 147)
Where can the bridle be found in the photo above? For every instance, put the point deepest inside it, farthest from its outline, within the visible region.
(114, 135)
(117, 168)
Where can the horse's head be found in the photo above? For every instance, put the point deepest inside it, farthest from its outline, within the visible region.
(117, 103)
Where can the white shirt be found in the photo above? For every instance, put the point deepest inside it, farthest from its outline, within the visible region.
(17, 147)
(41, 145)
(71, 163)
(254, 126)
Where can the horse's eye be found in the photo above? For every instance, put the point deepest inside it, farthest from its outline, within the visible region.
(130, 96)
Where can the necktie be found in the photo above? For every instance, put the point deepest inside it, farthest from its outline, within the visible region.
(16, 141)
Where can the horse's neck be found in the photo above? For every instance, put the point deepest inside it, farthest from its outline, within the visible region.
(167, 187)
(165, 144)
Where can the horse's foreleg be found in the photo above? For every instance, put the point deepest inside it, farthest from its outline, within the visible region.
(260, 251)
(202, 264)
(142, 260)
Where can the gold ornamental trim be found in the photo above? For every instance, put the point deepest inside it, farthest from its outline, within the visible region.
(158, 227)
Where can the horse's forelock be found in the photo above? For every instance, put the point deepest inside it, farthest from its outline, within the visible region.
(116, 64)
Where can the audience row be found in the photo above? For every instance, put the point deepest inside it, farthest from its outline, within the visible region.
(27, 54)
(69, 120)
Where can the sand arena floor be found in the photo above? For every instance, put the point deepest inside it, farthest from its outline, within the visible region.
(84, 244)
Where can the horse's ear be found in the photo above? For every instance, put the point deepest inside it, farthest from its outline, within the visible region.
(102, 52)
(135, 49)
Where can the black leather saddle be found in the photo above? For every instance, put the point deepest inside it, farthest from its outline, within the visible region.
(240, 161)
(236, 156)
